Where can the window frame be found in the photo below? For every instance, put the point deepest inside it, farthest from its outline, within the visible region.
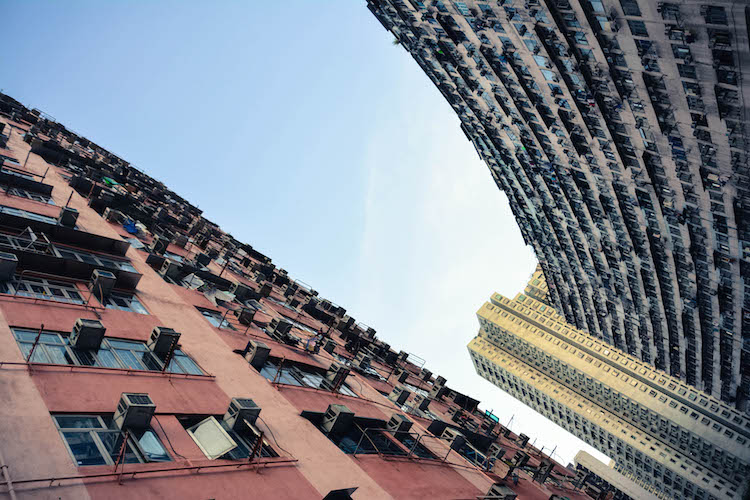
(134, 438)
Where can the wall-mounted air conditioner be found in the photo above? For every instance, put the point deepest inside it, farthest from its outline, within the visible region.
(242, 291)
(499, 491)
(336, 374)
(454, 437)
(158, 245)
(241, 411)
(425, 374)
(102, 283)
(543, 471)
(520, 459)
(399, 423)
(439, 382)
(402, 375)
(256, 353)
(68, 217)
(330, 346)
(163, 339)
(522, 440)
(363, 359)
(399, 395)
(279, 327)
(171, 269)
(134, 411)
(337, 419)
(246, 315)
(87, 334)
(423, 402)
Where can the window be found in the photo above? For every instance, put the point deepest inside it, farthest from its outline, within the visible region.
(638, 28)
(95, 259)
(301, 376)
(23, 193)
(27, 215)
(630, 7)
(44, 289)
(95, 440)
(215, 318)
(55, 348)
(124, 302)
(218, 440)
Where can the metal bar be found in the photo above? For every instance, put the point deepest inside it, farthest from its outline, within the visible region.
(147, 471)
(121, 456)
(278, 372)
(36, 342)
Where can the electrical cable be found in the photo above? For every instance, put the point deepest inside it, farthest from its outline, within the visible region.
(168, 440)
(273, 436)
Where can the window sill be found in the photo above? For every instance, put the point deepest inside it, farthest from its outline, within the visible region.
(105, 369)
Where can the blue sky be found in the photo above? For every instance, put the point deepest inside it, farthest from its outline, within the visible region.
(299, 128)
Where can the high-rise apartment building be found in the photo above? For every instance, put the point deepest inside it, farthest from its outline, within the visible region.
(619, 131)
(673, 440)
(146, 353)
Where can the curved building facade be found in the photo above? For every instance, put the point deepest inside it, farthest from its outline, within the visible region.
(618, 131)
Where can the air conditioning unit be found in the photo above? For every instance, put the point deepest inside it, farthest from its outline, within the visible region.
(171, 269)
(68, 217)
(265, 290)
(245, 315)
(202, 259)
(279, 327)
(8, 265)
(496, 451)
(437, 427)
(330, 346)
(425, 374)
(399, 424)
(337, 419)
(499, 491)
(241, 410)
(522, 440)
(158, 245)
(336, 374)
(454, 437)
(423, 402)
(87, 334)
(402, 375)
(439, 382)
(102, 283)
(256, 353)
(112, 215)
(403, 355)
(363, 359)
(155, 261)
(520, 459)
(437, 391)
(543, 471)
(134, 411)
(242, 291)
(162, 339)
(399, 395)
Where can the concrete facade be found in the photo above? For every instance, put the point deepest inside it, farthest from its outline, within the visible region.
(675, 441)
(618, 130)
(173, 268)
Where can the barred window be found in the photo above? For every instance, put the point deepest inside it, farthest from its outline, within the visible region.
(124, 302)
(24, 193)
(44, 289)
(55, 348)
(96, 440)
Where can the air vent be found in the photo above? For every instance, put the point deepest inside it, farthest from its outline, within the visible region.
(87, 334)
(256, 353)
(134, 411)
(337, 419)
(399, 395)
(399, 424)
(102, 283)
(241, 412)
(163, 340)
(68, 217)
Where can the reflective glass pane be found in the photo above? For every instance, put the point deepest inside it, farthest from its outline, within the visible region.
(84, 448)
(129, 359)
(152, 449)
(112, 441)
(78, 422)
